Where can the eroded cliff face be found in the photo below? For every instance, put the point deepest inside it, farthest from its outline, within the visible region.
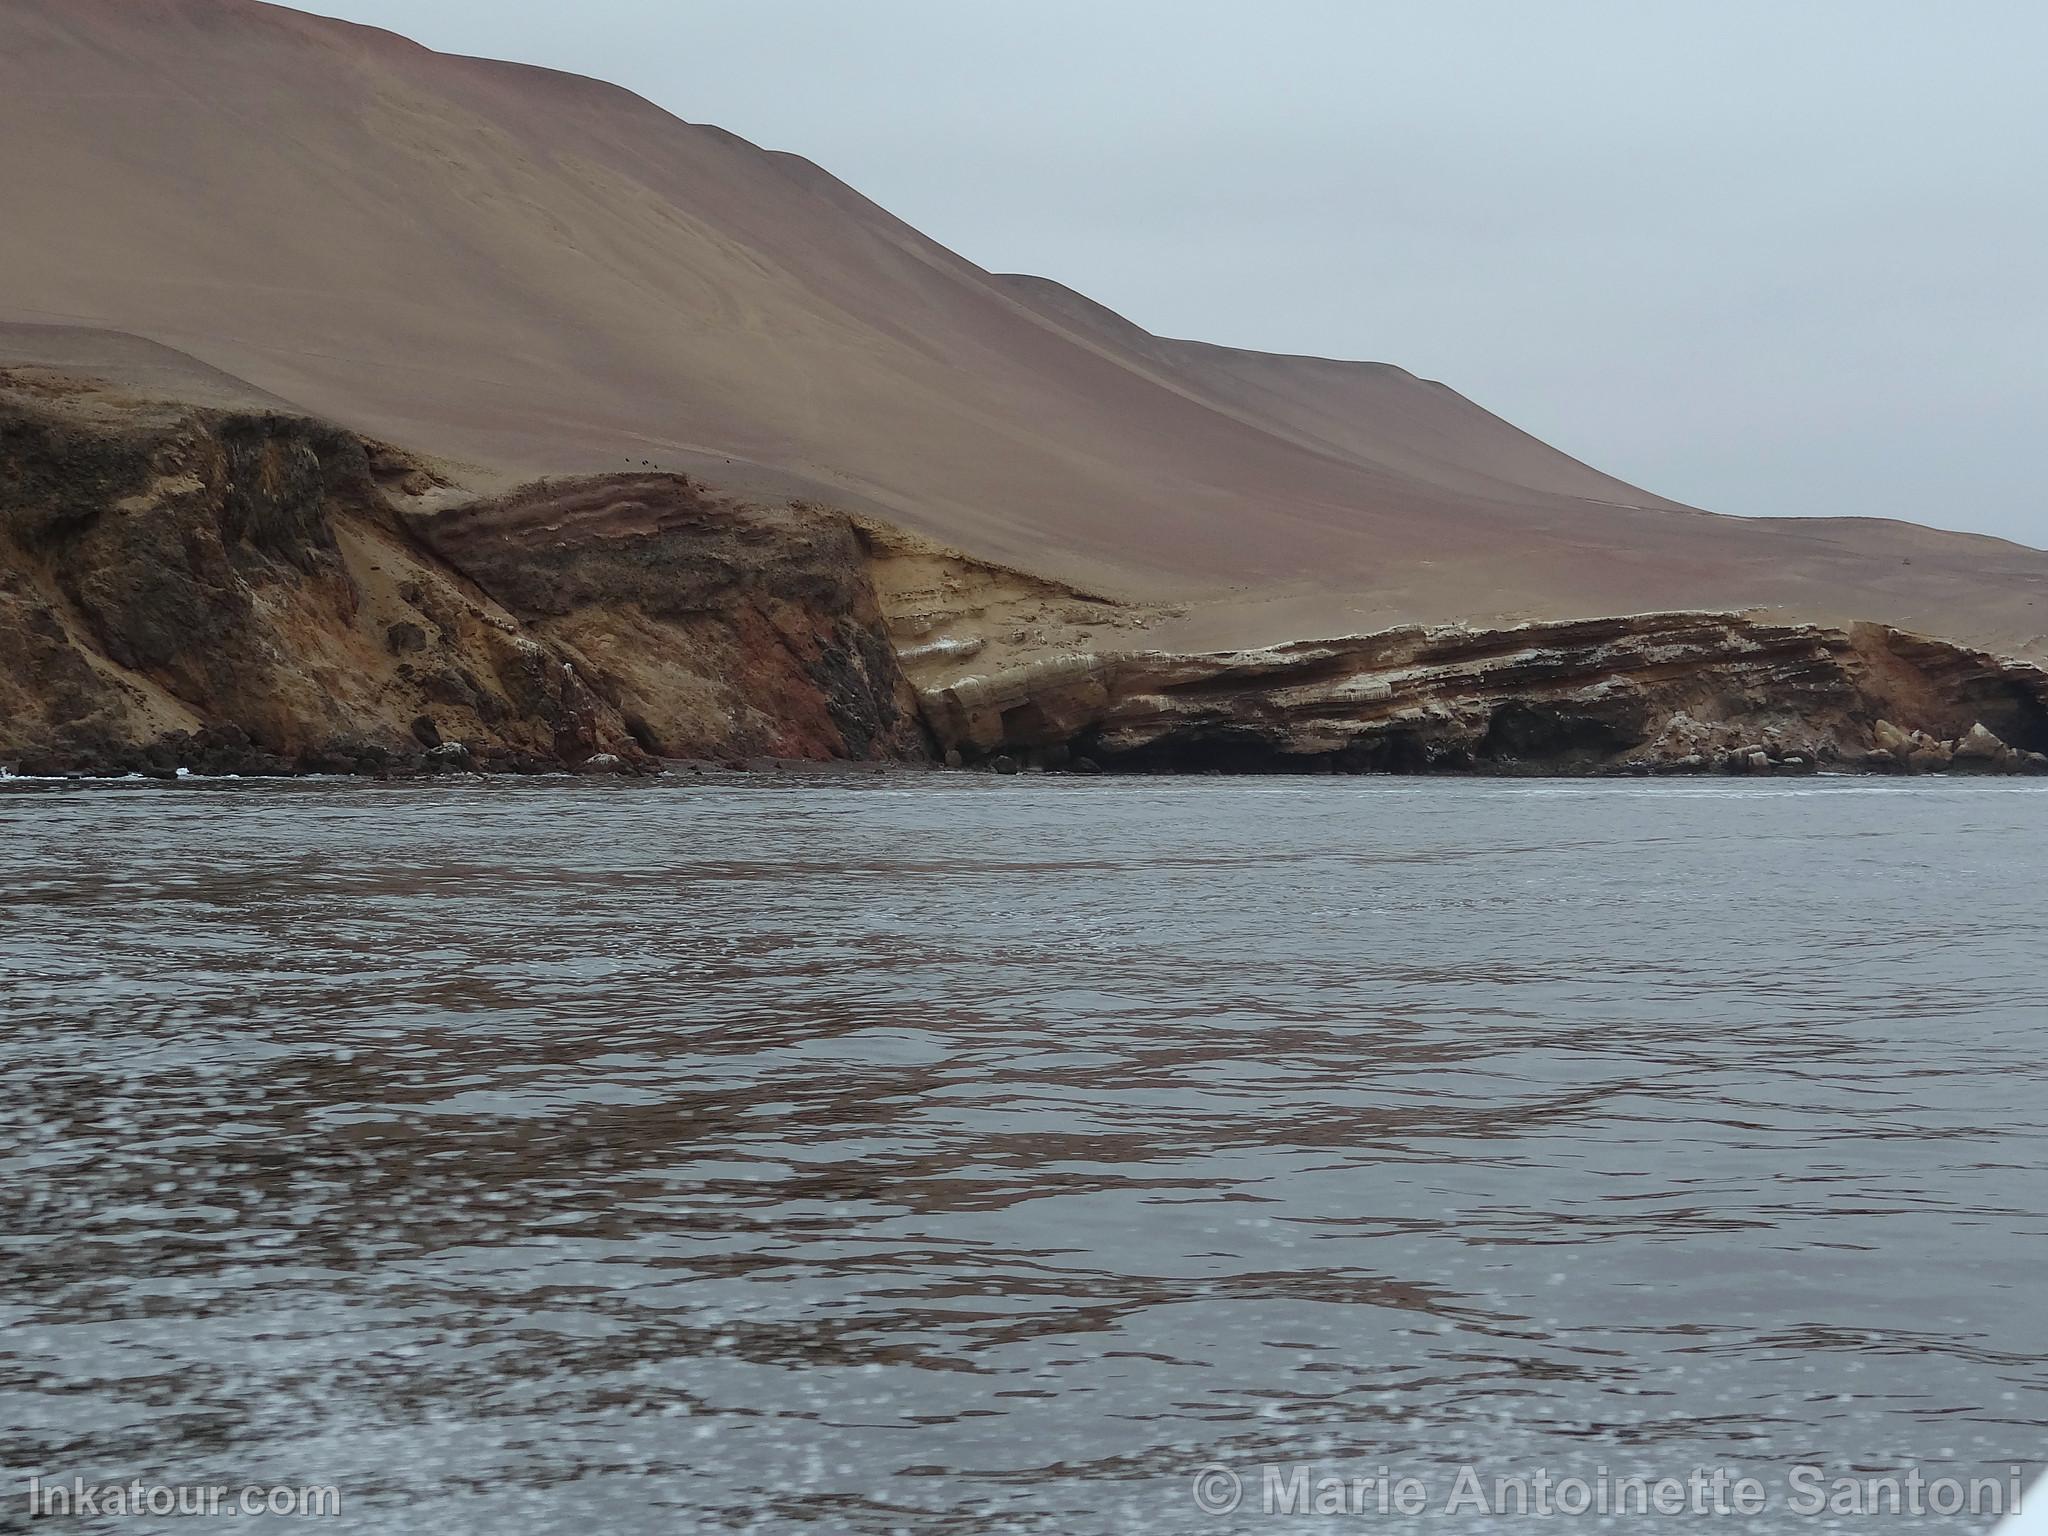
(232, 591)
(714, 627)
(1687, 692)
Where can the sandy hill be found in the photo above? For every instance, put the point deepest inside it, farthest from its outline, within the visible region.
(530, 272)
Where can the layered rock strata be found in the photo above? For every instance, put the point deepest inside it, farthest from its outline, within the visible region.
(1673, 692)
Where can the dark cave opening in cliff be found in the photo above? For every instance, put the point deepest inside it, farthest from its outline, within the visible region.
(2018, 719)
(1251, 752)
(1530, 733)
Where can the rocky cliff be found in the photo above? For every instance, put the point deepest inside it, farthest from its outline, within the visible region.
(233, 589)
(1653, 693)
(253, 591)
(713, 626)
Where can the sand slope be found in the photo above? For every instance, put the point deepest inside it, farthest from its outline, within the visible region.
(533, 272)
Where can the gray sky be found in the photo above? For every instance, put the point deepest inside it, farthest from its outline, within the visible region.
(1759, 256)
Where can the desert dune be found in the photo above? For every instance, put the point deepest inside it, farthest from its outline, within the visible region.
(529, 273)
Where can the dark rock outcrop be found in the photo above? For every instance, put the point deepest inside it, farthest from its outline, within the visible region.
(214, 590)
(244, 592)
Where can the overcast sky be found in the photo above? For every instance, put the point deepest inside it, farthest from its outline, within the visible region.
(1761, 257)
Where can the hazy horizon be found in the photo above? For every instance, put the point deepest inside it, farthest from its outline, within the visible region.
(1758, 260)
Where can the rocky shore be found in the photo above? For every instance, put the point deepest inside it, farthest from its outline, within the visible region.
(237, 591)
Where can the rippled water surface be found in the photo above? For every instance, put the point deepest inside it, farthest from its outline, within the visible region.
(935, 1153)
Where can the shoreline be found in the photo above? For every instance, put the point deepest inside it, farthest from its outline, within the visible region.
(683, 771)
